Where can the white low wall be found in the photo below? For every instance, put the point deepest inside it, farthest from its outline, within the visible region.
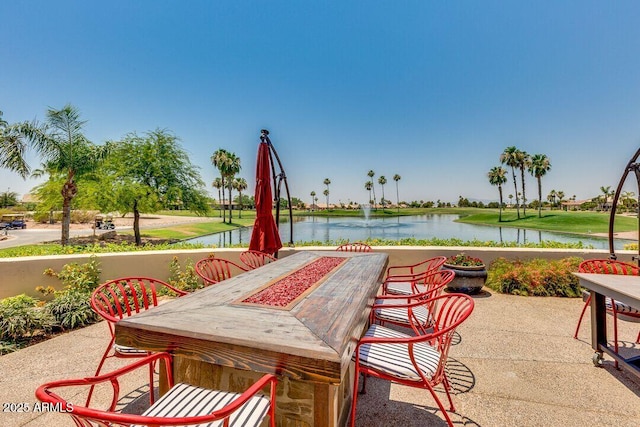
(23, 275)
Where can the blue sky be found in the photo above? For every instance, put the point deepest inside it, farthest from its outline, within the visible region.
(433, 91)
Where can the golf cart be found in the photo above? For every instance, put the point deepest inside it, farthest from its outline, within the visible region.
(104, 222)
(12, 222)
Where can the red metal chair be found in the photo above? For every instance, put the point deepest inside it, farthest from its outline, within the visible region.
(255, 259)
(182, 405)
(391, 308)
(416, 361)
(428, 265)
(405, 279)
(214, 270)
(354, 247)
(121, 298)
(607, 266)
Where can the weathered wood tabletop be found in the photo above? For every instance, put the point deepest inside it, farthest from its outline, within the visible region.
(312, 340)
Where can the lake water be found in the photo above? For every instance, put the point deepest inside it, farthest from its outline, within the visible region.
(323, 229)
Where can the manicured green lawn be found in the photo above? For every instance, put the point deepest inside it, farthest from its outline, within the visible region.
(567, 222)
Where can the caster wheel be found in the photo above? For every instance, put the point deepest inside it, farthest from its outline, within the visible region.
(597, 359)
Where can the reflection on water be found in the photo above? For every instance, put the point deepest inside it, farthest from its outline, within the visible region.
(440, 226)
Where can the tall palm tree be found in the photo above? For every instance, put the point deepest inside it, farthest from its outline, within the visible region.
(231, 168)
(219, 159)
(326, 182)
(539, 166)
(371, 174)
(313, 198)
(510, 157)
(397, 178)
(497, 176)
(524, 160)
(552, 197)
(606, 192)
(240, 184)
(382, 181)
(64, 149)
(368, 186)
(217, 184)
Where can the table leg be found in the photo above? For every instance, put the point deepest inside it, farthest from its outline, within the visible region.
(598, 326)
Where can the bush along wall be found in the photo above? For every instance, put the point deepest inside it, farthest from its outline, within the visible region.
(536, 277)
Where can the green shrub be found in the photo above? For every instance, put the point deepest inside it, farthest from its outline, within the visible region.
(536, 277)
(21, 317)
(71, 309)
(79, 277)
(186, 280)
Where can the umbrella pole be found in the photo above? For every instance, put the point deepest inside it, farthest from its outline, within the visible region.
(282, 176)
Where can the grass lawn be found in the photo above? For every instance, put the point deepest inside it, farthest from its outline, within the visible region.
(561, 221)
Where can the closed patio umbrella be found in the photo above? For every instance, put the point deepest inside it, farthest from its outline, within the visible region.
(265, 236)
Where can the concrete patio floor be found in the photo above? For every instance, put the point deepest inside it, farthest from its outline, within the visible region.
(515, 364)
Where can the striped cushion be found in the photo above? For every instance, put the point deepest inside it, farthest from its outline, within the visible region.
(404, 288)
(621, 307)
(184, 400)
(129, 351)
(401, 315)
(393, 359)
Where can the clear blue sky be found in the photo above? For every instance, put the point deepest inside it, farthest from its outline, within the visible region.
(433, 91)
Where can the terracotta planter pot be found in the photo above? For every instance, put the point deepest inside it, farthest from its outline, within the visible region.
(468, 280)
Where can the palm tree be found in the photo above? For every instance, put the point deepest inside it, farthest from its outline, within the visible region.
(326, 182)
(368, 186)
(510, 157)
(240, 184)
(382, 181)
(606, 192)
(12, 149)
(313, 197)
(219, 159)
(524, 162)
(510, 196)
(63, 148)
(371, 174)
(397, 178)
(552, 197)
(218, 184)
(539, 166)
(231, 168)
(497, 176)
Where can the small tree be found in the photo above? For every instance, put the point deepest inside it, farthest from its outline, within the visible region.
(148, 173)
(497, 176)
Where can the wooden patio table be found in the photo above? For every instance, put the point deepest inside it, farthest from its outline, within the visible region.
(219, 341)
(625, 289)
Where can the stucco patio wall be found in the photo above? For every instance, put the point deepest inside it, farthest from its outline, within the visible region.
(23, 275)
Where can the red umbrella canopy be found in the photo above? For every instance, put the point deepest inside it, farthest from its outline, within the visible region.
(265, 237)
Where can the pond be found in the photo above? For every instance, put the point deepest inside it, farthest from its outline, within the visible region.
(324, 229)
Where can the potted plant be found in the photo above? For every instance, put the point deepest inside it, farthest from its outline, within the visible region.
(471, 273)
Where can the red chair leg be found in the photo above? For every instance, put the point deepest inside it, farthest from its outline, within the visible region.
(354, 400)
(435, 397)
(104, 358)
(586, 304)
(447, 388)
(638, 339)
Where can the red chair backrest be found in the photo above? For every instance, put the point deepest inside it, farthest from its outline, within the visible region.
(120, 298)
(354, 247)
(608, 266)
(214, 270)
(255, 259)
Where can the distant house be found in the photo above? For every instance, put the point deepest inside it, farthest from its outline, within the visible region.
(569, 205)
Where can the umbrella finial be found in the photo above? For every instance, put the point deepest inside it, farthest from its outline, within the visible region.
(264, 136)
